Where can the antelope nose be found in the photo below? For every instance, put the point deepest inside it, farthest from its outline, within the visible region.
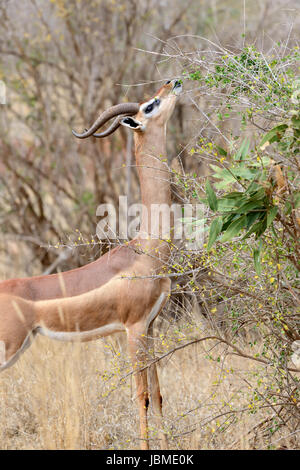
(177, 87)
(177, 84)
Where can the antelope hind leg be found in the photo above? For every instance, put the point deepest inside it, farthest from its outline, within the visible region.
(155, 394)
(16, 328)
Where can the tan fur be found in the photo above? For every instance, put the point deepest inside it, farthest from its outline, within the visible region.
(107, 295)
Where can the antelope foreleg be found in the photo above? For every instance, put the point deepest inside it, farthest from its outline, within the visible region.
(137, 348)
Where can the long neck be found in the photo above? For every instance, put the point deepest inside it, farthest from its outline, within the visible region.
(151, 160)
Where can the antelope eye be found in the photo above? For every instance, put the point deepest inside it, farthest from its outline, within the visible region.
(149, 108)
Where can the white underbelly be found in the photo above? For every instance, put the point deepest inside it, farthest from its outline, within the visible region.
(82, 335)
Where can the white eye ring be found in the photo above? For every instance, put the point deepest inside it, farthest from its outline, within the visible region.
(153, 103)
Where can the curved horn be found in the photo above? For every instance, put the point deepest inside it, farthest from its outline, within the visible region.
(114, 126)
(123, 108)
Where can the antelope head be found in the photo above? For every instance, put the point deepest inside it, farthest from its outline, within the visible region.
(138, 117)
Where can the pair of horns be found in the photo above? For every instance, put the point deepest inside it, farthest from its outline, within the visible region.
(119, 110)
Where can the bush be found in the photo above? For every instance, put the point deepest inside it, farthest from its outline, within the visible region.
(251, 255)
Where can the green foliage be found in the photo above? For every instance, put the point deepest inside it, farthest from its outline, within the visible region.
(253, 191)
(211, 196)
(264, 80)
(252, 254)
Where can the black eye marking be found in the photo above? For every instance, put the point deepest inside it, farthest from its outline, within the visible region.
(169, 81)
(149, 108)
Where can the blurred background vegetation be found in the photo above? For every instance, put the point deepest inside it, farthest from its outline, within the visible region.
(65, 61)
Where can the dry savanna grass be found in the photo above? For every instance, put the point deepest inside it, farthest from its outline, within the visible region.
(71, 396)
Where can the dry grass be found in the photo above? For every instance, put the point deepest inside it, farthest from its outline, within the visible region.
(68, 396)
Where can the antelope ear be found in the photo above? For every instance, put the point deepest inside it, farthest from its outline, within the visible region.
(132, 123)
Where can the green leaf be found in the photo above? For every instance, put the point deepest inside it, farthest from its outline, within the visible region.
(211, 197)
(271, 215)
(227, 220)
(246, 173)
(288, 208)
(226, 204)
(226, 178)
(258, 195)
(226, 181)
(215, 229)
(235, 195)
(252, 217)
(257, 228)
(234, 228)
(256, 258)
(274, 135)
(221, 151)
(250, 206)
(243, 150)
(253, 186)
(263, 227)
